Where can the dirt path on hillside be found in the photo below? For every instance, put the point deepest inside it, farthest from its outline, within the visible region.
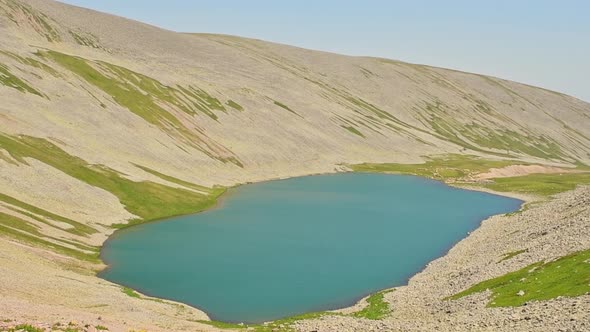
(520, 170)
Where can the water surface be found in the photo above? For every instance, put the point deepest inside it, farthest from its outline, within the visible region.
(281, 248)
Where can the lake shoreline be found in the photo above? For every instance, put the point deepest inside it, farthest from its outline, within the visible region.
(361, 302)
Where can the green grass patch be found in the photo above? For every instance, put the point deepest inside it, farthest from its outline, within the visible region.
(540, 184)
(362, 104)
(130, 292)
(215, 190)
(353, 130)
(25, 328)
(285, 107)
(511, 141)
(449, 167)
(567, 276)
(145, 97)
(72, 329)
(457, 167)
(88, 40)
(235, 105)
(202, 101)
(31, 62)
(367, 73)
(481, 138)
(79, 228)
(131, 90)
(37, 20)
(377, 308)
(20, 230)
(11, 81)
(510, 255)
(223, 325)
(12, 225)
(11, 221)
(147, 200)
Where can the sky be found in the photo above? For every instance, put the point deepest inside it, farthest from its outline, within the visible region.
(538, 42)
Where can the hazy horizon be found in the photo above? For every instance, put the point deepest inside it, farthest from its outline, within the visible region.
(539, 43)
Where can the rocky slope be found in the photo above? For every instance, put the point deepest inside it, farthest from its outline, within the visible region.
(104, 120)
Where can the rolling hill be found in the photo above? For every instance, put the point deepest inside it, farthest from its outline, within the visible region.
(106, 121)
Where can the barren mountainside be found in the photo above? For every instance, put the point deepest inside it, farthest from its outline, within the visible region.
(104, 120)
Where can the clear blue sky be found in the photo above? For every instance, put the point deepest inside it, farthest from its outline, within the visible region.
(539, 42)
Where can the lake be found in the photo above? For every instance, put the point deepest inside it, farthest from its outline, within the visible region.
(287, 247)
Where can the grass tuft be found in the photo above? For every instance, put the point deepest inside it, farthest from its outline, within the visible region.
(130, 292)
(26, 328)
(235, 105)
(353, 130)
(377, 308)
(283, 106)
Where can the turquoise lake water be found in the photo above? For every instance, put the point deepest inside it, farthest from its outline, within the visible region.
(282, 248)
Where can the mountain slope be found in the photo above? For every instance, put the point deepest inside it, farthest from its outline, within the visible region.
(104, 120)
(219, 110)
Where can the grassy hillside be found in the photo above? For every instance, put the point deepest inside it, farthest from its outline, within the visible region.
(567, 276)
(145, 199)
